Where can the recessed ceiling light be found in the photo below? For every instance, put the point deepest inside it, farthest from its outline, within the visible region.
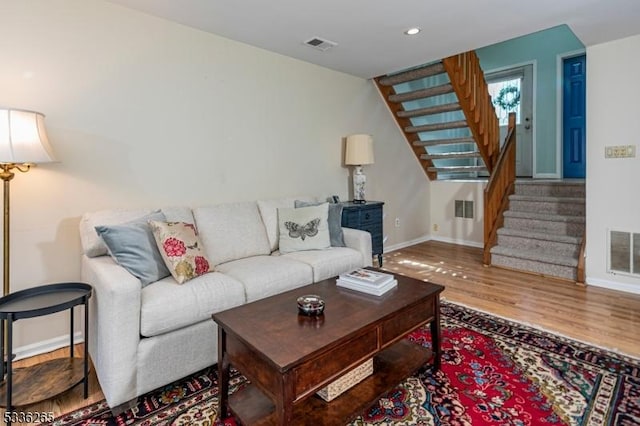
(412, 31)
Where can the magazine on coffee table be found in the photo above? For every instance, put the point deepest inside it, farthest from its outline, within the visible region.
(366, 288)
(367, 277)
(366, 281)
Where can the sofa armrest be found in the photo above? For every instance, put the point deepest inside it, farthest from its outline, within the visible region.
(114, 326)
(361, 241)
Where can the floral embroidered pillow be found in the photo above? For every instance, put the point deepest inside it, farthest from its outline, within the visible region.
(180, 249)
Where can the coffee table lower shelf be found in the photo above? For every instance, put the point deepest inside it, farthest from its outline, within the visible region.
(391, 367)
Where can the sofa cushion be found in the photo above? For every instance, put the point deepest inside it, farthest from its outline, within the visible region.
(180, 249)
(264, 276)
(328, 263)
(166, 306)
(269, 213)
(305, 228)
(92, 243)
(231, 231)
(335, 221)
(133, 247)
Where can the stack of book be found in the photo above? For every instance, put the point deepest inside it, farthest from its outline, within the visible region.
(367, 281)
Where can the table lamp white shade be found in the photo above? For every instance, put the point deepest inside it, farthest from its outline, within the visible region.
(23, 139)
(358, 150)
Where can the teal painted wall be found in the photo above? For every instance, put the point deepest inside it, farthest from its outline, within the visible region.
(542, 47)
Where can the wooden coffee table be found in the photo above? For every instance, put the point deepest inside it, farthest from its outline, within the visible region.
(288, 357)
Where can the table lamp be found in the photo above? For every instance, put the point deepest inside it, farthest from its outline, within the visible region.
(358, 152)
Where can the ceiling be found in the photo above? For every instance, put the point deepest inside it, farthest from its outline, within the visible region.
(370, 33)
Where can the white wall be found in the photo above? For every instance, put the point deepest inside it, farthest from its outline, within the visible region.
(144, 112)
(613, 199)
(444, 225)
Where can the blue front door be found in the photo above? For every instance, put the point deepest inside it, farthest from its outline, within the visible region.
(574, 143)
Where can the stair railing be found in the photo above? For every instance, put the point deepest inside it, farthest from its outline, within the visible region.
(468, 81)
(580, 272)
(496, 194)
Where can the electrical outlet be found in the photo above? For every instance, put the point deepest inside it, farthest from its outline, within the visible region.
(620, 151)
(397, 222)
(436, 227)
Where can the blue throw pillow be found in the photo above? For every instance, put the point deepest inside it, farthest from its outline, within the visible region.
(133, 247)
(335, 221)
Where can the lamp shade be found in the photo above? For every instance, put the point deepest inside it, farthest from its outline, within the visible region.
(23, 138)
(359, 150)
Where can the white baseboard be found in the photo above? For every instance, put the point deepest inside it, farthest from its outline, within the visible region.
(428, 237)
(457, 241)
(407, 243)
(45, 346)
(612, 285)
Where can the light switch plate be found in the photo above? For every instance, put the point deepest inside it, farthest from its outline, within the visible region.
(620, 151)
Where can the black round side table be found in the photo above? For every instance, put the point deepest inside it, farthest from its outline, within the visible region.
(42, 381)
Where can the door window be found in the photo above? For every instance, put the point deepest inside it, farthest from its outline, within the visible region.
(505, 96)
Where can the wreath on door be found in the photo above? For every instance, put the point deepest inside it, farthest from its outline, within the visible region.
(508, 98)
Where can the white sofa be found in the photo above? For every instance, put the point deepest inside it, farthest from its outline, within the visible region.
(144, 337)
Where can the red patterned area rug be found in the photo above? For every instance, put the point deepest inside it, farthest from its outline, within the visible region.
(494, 372)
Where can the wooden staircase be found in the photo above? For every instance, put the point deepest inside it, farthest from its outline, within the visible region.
(446, 115)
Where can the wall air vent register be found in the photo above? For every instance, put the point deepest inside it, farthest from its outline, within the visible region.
(624, 253)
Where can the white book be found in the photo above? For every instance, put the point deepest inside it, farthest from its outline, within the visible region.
(367, 277)
(365, 288)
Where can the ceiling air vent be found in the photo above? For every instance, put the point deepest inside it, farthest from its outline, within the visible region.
(320, 43)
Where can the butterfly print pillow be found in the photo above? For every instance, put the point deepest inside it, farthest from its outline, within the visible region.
(304, 228)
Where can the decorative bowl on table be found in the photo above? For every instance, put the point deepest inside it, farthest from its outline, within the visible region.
(310, 305)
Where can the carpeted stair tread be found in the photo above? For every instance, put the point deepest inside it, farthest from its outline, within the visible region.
(543, 216)
(542, 256)
(546, 199)
(543, 236)
(553, 188)
(576, 182)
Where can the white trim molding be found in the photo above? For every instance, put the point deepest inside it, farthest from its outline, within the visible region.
(48, 345)
(458, 241)
(612, 285)
(402, 245)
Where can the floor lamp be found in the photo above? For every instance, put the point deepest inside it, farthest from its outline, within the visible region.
(23, 144)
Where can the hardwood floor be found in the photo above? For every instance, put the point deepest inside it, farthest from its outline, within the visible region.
(598, 316)
(602, 317)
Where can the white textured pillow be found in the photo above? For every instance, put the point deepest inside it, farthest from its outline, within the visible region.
(231, 231)
(304, 228)
(269, 213)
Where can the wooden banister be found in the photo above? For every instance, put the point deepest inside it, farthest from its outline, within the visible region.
(496, 194)
(468, 82)
(580, 273)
